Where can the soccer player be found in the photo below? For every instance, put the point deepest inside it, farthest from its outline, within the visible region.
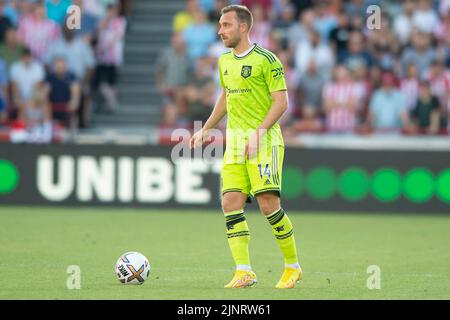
(254, 97)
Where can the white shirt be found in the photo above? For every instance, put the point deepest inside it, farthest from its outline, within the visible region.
(243, 54)
(26, 77)
(78, 54)
(425, 21)
(321, 54)
(403, 27)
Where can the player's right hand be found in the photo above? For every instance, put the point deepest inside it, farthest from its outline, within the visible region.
(197, 139)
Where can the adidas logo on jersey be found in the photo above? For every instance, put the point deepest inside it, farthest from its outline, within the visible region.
(225, 73)
(267, 182)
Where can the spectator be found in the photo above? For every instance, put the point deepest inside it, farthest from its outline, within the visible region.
(214, 14)
(89, 23)
(38, 116)
(383, 45)
(358, 23)
(184, 18)
(206, 5)
(11, 50)
(25, 75)
(311, 87)
(355, 8)
(80, 60)
(388, 107)
(94, 8)
(424, 17)
(444, 8)
(3, 91)
(442, 31)
(446, 51)
(421, 53)
(292, 82)
(282, 25)
(25, 9)
(64, 93)
(78, 55)
(215, 51)
(403, 23)
(409, 86)
(340, 35)
(340, 100)
(172, 74)
(110, 55)
(10, 10)
(199, 92)
(199, 36)
(5, 22)
(301, 6)
(360, 75)
(37, 31)
(439, 78)
(325, 20)
(317, 50)
(172, 67)
(425, 114)
(57, 9)
(260, 32)
(356, 54)
(300, 31)
(266, 6)
(99, 8)
(310, 91)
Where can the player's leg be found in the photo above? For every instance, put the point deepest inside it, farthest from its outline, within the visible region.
(235, 188)
(265, 178)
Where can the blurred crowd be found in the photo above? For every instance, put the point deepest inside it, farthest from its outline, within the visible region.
(58, 64)
(347, 70)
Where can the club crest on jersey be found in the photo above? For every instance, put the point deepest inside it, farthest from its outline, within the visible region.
(246, 71)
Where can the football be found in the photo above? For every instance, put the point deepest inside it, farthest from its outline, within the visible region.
(132, 268)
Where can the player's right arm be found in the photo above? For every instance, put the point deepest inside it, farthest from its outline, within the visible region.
(219, 111)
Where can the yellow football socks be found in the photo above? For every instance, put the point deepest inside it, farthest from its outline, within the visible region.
(238, 237)
(283, 231)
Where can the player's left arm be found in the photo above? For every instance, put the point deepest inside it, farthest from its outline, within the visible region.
(279, 106)
(276, 82)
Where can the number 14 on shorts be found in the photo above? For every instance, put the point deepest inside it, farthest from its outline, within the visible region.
(266, 171)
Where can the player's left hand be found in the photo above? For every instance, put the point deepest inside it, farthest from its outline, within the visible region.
(252, 146)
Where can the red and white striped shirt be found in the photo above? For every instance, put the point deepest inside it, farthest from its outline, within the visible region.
(341, 117)
(410, 90)
(38, 34)
(111, 42)
(440, 87)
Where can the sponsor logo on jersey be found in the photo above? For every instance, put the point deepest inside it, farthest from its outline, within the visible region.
(277, 73)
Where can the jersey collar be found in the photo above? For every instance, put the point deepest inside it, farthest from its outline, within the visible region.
(247, 54)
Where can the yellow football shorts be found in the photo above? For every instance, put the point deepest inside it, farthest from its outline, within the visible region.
(257, 175)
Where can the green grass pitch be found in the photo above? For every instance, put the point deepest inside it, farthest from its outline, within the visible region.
(190, 258)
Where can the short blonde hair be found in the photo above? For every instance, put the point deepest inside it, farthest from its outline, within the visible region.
(243, 13)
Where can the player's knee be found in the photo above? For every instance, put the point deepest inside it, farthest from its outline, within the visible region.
(229, 206)
(268, 203)
(267, 208)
